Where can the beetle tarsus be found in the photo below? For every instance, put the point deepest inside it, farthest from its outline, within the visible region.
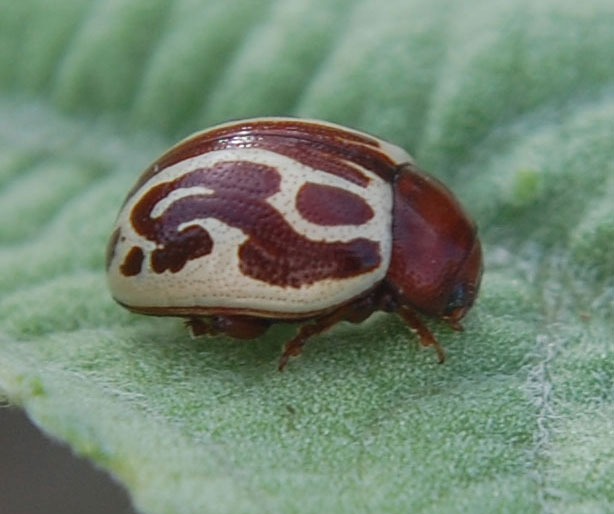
(426, 336)
(291, 349)
(294, 346)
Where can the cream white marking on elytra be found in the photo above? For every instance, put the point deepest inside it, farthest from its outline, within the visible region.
(178, 194)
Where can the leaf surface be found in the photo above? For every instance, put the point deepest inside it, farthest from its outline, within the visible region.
(510, 103)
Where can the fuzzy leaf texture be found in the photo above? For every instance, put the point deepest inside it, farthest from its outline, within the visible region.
(511, 103)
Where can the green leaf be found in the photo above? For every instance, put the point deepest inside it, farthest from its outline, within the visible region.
(509, 102)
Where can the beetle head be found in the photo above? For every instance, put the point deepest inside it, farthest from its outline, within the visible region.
(436, 262)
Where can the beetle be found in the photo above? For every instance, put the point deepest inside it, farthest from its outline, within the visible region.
(286, 219)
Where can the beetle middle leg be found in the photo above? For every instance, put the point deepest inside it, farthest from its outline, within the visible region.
(354, 313)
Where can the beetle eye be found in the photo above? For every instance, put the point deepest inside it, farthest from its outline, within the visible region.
(459, 298)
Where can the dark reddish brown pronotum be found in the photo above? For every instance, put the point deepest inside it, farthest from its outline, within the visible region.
(287, 219)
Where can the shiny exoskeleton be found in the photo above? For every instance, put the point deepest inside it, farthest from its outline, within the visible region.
(270, 219)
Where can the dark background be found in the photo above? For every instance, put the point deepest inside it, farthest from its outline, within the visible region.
(39, 475)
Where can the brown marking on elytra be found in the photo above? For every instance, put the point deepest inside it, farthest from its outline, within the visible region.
(133, 262)
(111, 246)
(273, 253)
(190, 243)
(330, 205)
(316, 145)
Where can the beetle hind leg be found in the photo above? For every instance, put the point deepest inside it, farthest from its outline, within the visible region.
(353, 312)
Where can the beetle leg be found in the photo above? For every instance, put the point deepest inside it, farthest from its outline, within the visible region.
(294, 346)
(426, 336)
(353, 312)
(198, 327)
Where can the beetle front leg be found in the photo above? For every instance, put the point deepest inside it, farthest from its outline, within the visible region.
(426, 336)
